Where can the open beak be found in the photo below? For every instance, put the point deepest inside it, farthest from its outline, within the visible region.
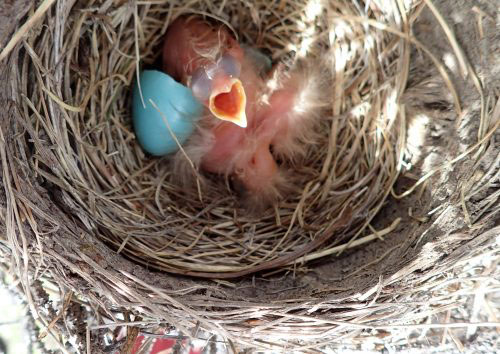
(227, 102)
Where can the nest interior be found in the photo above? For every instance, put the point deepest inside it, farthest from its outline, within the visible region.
(84, 206)
(130, 201)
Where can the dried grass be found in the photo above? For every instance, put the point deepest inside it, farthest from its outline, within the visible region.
(72, 90)
(339, 187)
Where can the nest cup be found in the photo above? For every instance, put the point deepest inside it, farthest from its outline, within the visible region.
(93, 214)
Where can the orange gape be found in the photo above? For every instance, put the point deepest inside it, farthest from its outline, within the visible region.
(208, 60)
(229, 102)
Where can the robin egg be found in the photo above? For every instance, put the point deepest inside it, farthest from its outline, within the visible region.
(163, 111)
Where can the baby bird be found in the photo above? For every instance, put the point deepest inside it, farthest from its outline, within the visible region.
(253, 116)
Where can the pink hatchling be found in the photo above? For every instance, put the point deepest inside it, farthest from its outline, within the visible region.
(253, 117)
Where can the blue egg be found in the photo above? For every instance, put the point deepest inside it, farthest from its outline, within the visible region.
(178, 108)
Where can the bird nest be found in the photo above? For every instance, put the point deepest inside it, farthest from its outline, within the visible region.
(130, 200)
(102, 217)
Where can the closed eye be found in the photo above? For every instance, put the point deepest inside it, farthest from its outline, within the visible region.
(201, 85)
(229, 65)
(202, 79)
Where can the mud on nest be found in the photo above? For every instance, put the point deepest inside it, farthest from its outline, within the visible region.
(75, 141)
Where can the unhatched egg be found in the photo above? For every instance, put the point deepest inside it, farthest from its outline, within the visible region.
(164, 104)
